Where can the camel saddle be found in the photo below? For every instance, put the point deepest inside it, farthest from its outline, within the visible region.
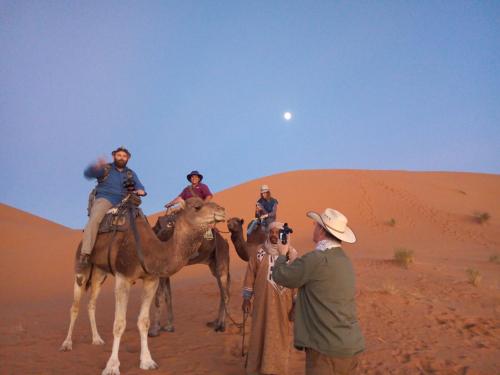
(117, 220)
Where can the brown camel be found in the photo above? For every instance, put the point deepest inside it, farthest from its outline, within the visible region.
(159, 259)
(244, 248)
(213, 252)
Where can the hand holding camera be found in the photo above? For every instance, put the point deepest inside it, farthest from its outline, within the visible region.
(284, 233)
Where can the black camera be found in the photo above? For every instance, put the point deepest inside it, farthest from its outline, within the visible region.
(284, 233)
(129, 185)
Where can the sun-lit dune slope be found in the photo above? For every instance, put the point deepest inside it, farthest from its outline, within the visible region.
(386, 209)
(425, 319)
(37, 255)
(431, 213)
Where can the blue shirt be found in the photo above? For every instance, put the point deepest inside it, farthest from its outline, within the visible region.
(268, 205)
(112, 188)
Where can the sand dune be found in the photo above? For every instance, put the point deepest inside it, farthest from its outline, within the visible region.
(427, 319)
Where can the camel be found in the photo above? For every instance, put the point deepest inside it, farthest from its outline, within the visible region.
(215, 253)
(212, 252)
(244, 248)
(118, 253)
(258, 235)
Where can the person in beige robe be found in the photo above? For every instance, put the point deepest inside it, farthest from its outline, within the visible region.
(270, 335)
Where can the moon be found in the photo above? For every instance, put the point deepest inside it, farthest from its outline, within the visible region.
(287, 116)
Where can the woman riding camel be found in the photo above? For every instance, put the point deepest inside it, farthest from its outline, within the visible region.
(266, 209)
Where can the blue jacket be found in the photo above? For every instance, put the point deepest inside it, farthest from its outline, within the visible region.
(112, 187)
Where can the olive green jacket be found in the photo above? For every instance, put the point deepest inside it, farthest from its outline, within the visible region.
(325, 311)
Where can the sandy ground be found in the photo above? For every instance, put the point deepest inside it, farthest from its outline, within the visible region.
(427, 319)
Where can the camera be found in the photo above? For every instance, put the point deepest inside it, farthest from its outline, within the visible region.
(129, 185)
(284, 233)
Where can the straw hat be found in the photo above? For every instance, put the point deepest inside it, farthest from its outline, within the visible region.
(264, 189)
(334, 222)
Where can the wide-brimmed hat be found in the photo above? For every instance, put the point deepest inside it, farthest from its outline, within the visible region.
(334, 222)
(194, 173)
(264, 189)
(121, 148)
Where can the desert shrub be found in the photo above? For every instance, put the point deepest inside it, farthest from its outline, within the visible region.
(481, 217)
(403, 257)
(495, 258)
(474, 276)
(389, 288)
(391, 222)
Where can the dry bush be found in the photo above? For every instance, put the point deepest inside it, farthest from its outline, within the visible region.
(391, 222)
(481, 217)
(474, 276)
(388, 288)
(403, 257)
(495, 258)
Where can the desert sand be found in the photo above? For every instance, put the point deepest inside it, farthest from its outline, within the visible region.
(427, 319)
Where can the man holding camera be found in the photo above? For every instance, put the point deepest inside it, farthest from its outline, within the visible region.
(114, 181)
(269, 347)
(326, 325)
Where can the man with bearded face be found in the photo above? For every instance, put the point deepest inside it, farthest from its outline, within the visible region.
(270, 335)
(110, 190)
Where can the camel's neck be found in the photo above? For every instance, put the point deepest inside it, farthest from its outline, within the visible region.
(240, 244)
(164, 258)
(184, 243)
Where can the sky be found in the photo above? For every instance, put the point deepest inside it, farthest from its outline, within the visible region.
(392, 85)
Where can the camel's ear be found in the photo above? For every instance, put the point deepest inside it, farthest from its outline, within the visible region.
(242, 221)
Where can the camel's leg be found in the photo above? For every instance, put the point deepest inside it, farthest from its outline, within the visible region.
(169, 327)
(154, 329)
(122, 291)
(221, 272)
(98, 277)
(149, 291)
(78, 289)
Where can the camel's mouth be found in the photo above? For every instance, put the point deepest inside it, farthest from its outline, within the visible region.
(219, 216)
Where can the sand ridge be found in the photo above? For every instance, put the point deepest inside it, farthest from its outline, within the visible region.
(427, 319)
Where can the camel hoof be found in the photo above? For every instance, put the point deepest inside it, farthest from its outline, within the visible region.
(154, 332)
(168, 328)
(66, 346)
(112, 368)
(98, 341)
(217, 327)
(220, 328)
(149, 365)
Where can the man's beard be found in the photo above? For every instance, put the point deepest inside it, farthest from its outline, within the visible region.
(121, 163)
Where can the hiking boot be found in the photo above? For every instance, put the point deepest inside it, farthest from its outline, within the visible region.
(83, 262)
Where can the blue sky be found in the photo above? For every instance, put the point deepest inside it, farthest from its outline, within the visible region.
(411, 85)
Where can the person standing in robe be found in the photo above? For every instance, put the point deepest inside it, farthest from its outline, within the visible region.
(270, 335)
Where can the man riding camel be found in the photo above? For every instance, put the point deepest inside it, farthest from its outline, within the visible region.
(114, 181)
(196, 189)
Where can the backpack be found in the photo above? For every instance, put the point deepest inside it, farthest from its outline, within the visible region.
(92, 194)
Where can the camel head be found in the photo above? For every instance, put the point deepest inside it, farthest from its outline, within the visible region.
(201, 215)
(235, 224)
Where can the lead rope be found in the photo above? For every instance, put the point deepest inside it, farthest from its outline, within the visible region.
(245, 316)
(137, 239)
(115, 227)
